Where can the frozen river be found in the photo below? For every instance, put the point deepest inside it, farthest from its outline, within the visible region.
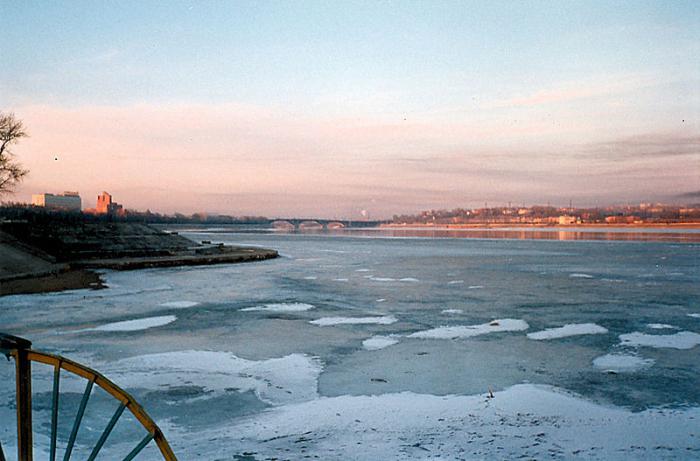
(362, 347)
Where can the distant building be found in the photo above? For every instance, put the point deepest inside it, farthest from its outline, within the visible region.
(621, 219)
(565, 220)
(68, 201)
(105, 205)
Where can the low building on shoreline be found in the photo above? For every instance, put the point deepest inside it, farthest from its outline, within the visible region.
(68, 201)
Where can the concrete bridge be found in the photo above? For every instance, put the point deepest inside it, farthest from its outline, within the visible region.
(320, 224)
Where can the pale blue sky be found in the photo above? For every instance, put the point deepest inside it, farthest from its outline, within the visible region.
(494, 90)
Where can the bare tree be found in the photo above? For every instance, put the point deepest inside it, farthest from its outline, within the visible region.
(11, 172)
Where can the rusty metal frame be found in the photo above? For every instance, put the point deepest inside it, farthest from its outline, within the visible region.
(20, 350)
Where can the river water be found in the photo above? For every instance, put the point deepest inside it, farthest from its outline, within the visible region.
(382, 345)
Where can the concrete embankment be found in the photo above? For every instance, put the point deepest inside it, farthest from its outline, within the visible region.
(53, 256)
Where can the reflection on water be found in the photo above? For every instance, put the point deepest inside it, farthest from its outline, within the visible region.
(651, 235)
(655, 234)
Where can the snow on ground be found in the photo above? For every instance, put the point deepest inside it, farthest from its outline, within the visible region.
(572, 329)
(621, 363)
(680, 340)
(180, 304)
(523, 421)
(379, 342)
(276, 381)
(133, 325)
(379, 320)
(280, 307)
(467, 331)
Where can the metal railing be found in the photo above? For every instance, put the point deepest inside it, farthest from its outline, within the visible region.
(20, 350)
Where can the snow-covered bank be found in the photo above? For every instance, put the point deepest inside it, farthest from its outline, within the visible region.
(523, 421)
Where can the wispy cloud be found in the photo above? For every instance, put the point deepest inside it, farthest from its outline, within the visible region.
(571, 91)
(649, 145)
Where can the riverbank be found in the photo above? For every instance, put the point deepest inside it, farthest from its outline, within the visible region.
(55, 256)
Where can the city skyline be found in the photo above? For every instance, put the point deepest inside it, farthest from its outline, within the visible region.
(324, 110)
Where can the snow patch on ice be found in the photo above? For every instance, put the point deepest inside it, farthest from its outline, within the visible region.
(580, 276)
(363, 270)
(467, 331)
(573, 329)
(621, 363)
(451, 311)
(276, 381)
(680, 340)
(455, 282)
(409, 279)
(661, 326)
(280, 307)
(379, 342)
(134, 325)
(341, 280)
(475, 287)
(180, 304)
(381, 279)
(310, 277)
(378, 320)
(694, 315)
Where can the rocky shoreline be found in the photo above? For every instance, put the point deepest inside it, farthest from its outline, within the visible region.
(55, 256)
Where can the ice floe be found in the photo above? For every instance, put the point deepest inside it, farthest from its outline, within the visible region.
(475, 287)
(276, 381)
(379, 320)
(694, 315)
(621, 363)
(451, 311)
(180, 304)
(680, 340)
(455, 282)
(280, 307)
(661, 326)
(363, 270)
(134, 325)
(409, 279)
(526, 420)
(341, 280)
(580, 276)
(467, 331)
(379, 342)
(310, 277)
(381, 279)
(573, 329)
